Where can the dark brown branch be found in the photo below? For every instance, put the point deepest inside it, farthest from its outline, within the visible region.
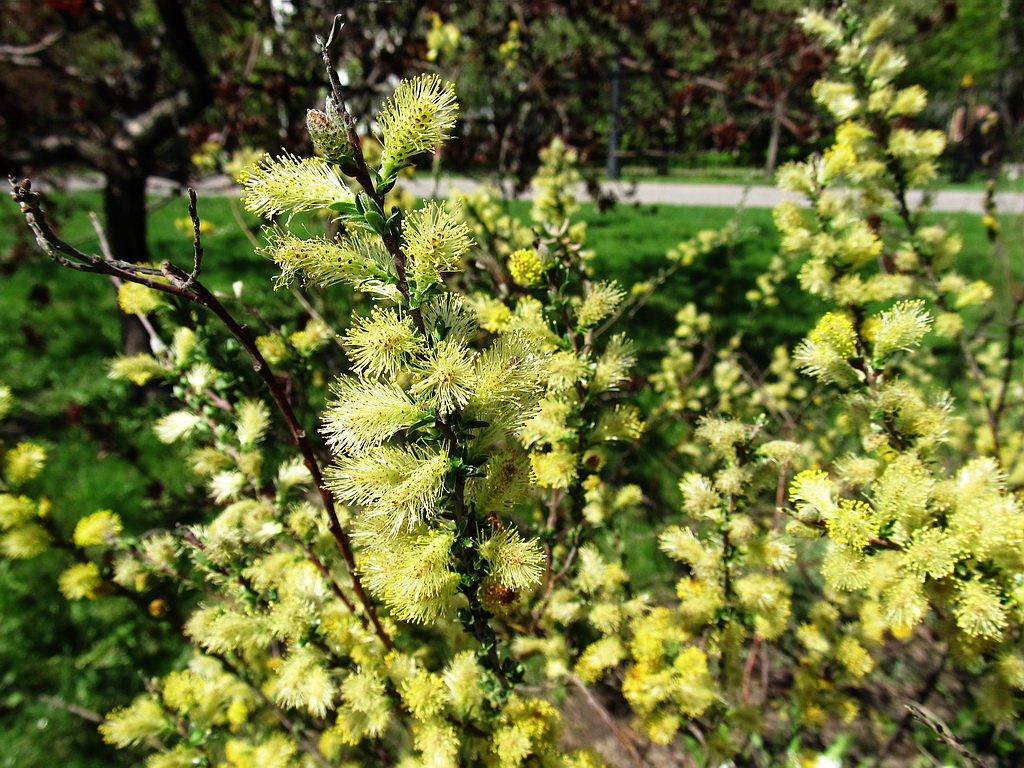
(177, 285)
(1011, 355)
(197, 242)
(262, 368)
(325, 572)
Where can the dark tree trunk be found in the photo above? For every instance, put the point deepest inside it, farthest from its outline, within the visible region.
(124, 209)
(1012, 81)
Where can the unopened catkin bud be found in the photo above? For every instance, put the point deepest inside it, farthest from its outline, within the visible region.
(328, 133)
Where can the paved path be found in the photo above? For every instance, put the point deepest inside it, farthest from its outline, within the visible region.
(648, 192)
(731, 195)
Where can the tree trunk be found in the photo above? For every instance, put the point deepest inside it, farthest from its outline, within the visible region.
(124, 209)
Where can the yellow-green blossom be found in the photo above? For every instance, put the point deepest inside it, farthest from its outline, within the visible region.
(80, 580)
(96, 529)
(416, 119)
(288, 184)
(525, 266)
(23, 463)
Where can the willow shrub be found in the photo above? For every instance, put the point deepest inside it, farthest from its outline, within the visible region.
(421, 577)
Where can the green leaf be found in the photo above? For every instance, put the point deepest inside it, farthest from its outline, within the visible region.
(375, 222)
(360, 203)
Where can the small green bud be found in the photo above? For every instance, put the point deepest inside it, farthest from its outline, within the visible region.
(328, 133)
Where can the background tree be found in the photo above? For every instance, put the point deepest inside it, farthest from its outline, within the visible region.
(105, 87)
(131, 90)
(692, 78)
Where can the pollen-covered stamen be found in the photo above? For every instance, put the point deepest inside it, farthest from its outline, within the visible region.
(448, 379)
(397, 487)
(514, 562)
(434, 240)
(416, 119)
(379, 344)
(412, 574)
(365, 413)
(289, 184)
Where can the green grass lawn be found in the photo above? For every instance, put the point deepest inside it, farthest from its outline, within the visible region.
(57, 330)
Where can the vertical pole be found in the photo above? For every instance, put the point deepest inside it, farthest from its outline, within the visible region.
(613, 134)
(772, 158)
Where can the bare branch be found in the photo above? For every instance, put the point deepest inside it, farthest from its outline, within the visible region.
(606, 718)
(155, 342)
(85, 714)
(15, 52)
(55, 149)
(197, 244)
(101, 236)
(148, 127)
(1011, 355)
(62, 252)
(339, 101)
(943, 733)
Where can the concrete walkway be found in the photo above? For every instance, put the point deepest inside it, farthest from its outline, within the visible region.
(647, 192)
(732, 195)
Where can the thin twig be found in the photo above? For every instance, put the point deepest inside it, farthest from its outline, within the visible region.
(197, 241)
(16, 52)
(1011, 355)
(155, 342)
(236, 214)
(307, 305)
(606, 718)
(101, 236)
(85, 714)
(943, 733)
